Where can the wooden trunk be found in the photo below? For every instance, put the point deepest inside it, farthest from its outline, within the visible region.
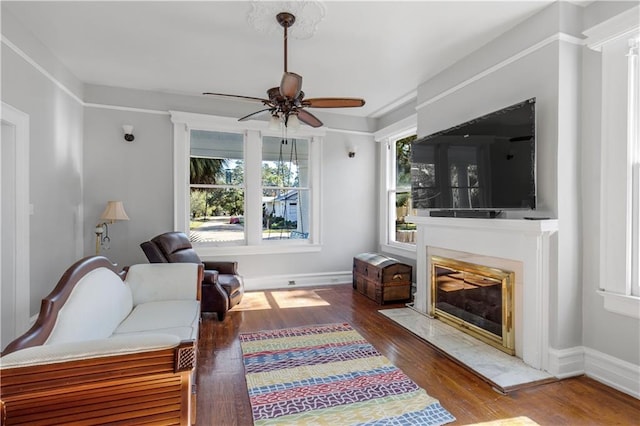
(381, 278)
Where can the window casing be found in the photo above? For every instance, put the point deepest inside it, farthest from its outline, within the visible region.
(616, 39)
(397, 236)
(244, 147)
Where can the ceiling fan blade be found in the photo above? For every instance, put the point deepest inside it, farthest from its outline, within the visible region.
(308, 118)
(290, 85)
(246, 117)
(333, 102)
(249, 98)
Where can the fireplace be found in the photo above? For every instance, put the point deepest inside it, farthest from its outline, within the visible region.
(526, 247)
(476, 299)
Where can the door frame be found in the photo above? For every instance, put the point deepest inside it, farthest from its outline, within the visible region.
(20, 122)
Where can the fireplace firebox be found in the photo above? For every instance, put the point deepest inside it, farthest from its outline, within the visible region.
(476, 299)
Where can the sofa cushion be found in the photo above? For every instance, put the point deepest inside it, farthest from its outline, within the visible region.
(96, 306)
(163, 281)
(179, 317)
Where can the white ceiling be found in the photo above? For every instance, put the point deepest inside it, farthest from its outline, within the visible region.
(380, 51)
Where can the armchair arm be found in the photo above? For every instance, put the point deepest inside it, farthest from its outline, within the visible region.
(223, 267)
(210, 277)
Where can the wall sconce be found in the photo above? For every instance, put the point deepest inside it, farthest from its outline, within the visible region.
(113, 212)
(128, 132)
(351, 150)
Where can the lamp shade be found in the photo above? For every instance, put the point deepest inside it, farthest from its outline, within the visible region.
(114, 211)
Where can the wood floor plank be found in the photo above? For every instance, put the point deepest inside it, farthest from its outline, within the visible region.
(222, 391)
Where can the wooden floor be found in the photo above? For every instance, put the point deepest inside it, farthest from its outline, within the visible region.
(222, 392)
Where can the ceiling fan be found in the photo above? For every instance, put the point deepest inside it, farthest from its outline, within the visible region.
(286, 103)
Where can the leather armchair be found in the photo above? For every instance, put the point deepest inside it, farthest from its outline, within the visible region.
(222, 286)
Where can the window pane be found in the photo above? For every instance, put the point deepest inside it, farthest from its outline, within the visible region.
(217, 215)
(400, 193)
(285, 214)
(285, 162)
(405, 232)
(216, 158)
(403, 162)
(216, 200)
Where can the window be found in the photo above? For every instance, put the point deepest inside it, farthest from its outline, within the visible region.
(397, 235)
(243, 189)
(617, 40)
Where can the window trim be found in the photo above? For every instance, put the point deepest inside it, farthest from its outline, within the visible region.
(184, 122)
(384, 137)
(618, 266)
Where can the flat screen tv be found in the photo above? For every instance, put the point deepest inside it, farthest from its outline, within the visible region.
(486, 164)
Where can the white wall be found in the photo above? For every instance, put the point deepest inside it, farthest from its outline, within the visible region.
(138, 173)
(56, 122)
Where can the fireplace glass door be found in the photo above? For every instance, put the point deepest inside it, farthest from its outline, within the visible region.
(476, 299)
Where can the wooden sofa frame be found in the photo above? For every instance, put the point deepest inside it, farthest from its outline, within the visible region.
(151, 386)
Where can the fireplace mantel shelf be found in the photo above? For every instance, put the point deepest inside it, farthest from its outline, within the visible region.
(521, 225)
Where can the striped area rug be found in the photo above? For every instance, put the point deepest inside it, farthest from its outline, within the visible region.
(329, 374)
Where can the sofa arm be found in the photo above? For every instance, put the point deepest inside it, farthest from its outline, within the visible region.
(73, 351)
(152, 282)
(223, 267)
(112, 387)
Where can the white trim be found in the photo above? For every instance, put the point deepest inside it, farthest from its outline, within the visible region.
(272, 247)
(125, 108)
(618, 26)
(301, 280)
(399, 249)
(564, 363)
(37, 66)
(621, 304)
(621, 375)
(349, 132)
(397, 128)
(20, 121)
(551, 39)
(394, 104)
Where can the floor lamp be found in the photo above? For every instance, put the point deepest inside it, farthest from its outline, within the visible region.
(113, 212)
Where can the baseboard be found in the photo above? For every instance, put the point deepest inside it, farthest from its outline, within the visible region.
(621, 375)
(565, 363)
(291, 281)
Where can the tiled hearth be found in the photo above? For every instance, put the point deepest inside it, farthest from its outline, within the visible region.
(503, 372)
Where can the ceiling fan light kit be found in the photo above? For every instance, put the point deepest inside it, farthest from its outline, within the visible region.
(286, 104)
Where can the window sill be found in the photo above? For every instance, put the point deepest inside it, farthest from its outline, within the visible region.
(621, 304)
(210, 251)
(405, 250)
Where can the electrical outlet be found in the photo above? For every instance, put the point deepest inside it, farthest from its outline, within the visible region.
(292, 282)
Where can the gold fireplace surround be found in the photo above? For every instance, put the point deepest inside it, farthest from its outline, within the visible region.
(475, 299)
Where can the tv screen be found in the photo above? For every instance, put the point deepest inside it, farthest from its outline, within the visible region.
(484, 164)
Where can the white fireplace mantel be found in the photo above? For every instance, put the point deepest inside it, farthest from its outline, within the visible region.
(529, 242)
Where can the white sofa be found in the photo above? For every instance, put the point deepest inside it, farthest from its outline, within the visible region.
(112, 349)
